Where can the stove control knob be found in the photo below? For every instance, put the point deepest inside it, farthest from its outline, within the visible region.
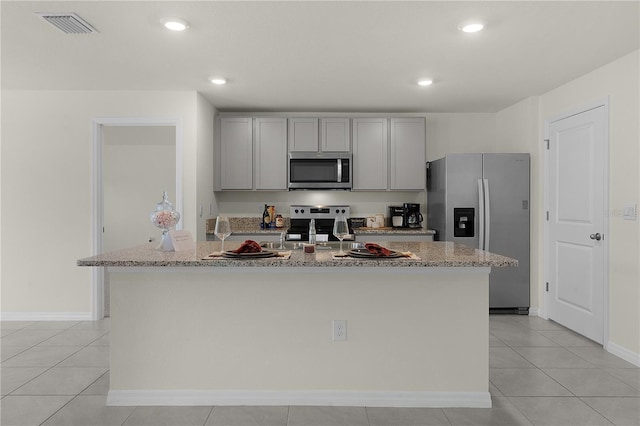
(296, 210)
(302, 211)
(343, 211)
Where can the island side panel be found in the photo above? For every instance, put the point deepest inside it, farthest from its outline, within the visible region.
(227, 330)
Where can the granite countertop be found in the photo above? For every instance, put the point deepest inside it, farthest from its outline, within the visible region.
(431, 254)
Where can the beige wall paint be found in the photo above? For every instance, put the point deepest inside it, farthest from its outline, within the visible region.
(47, 189)
(619, 82)
(455, 132)
(205, 201)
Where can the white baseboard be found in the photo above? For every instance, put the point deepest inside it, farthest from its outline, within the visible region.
(46, 316)
(318, 398)
(538, 312)
(624, 353)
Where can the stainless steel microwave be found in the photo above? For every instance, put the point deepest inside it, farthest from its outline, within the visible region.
(320, 170)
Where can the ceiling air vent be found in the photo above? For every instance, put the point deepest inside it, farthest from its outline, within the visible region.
(68, 23)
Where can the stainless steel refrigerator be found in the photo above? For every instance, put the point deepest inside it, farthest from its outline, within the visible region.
(482, 201)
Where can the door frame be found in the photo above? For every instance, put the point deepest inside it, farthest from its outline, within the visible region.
(97, 281)
(604, 103)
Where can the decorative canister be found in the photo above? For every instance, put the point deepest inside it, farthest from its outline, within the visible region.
(164, 217)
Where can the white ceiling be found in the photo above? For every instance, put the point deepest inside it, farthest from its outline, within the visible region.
(319, 56)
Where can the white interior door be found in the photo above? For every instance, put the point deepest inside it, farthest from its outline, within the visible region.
(577, 222)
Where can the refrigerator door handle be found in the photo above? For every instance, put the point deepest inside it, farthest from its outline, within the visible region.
(480, 215)
(487, 214)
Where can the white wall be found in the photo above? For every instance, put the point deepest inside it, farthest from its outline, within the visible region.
(205, 202)
(449, 133)
(619, 81)
(47, 190)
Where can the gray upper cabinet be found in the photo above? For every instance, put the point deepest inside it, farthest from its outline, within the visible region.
(407, 165)
(370, 159)
(303, 135)
(236, 153)
(324, 134)
(388, 153)
(253, 153)
(335, 134)
(270, 153)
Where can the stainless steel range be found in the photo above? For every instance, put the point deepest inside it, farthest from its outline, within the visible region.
(324, 217)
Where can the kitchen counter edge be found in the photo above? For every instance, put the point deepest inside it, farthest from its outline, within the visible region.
(431, 254)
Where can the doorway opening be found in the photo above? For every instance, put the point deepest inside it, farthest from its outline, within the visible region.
(135, 160)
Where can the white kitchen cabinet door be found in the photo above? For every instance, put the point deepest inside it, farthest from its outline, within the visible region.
(408, 157)
(335, 134)
(370, 146)
(271, 153)
(303, 135)
(236, 152)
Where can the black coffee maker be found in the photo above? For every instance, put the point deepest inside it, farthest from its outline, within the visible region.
(396, 213)
(412, 216)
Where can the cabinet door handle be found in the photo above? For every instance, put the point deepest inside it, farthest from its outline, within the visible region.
(596, 236)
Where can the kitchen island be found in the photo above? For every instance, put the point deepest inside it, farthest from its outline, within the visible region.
(188, 331)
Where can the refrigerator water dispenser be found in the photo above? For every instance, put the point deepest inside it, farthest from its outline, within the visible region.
(463, 218)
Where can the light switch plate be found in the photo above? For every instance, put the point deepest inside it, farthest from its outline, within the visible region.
(630, 212)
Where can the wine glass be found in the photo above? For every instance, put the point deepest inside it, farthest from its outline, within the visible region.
(340, 230)
(223, 229)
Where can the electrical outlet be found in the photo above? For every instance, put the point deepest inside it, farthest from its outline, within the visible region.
(339, 330)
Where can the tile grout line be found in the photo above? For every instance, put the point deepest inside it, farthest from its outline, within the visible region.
(444, 413)
(519, 411)
(130, 414)
(366, 414)
(56, 412)
(213, 407)
(594, 409)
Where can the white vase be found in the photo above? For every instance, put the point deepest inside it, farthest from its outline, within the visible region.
(164, 217)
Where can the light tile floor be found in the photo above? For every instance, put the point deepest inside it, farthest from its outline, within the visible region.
(56, 373)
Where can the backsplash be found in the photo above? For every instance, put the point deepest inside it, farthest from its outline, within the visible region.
(239, 224)
(251, 204)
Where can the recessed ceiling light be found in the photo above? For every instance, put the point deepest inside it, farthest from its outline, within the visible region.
(471, 27)
(218, 80)
(425, 82)
(175, 24)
